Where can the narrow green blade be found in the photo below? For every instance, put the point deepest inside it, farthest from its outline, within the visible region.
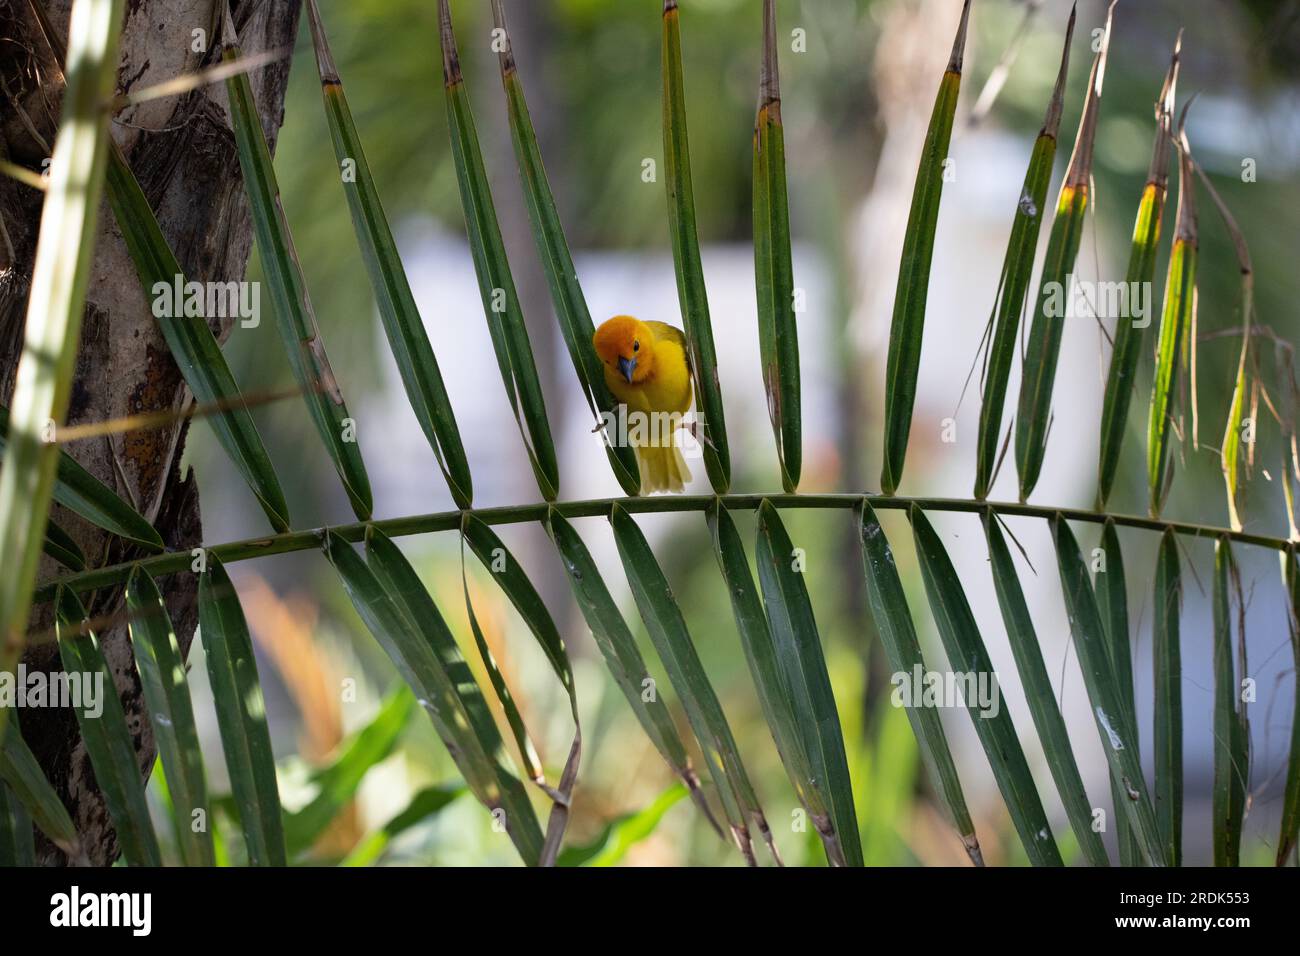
(107, 739)
(803, 665)
(1034, 414)
(81, 492)
(241, 715)
(189, 338)
(1233, 452)
(166, 691)
(28, 786)
(290, 302)
(1128, 340)
(668, 631)
(1166, 656)
(1290, 827)
(682, 230)
(1177, 342)
(778, 333)
(1043, 706)
(1112, 601)
(1122, 376)
(17, 838)
(1231, 729)
(622, 657)
(400, 613)
(60, 546)
(1013, 286)
(398, 312)
(421, 662)
(337, 783)
(993, 724)
(1104, 692)
(1235, 434)
(1288, 491)
(501, 305)
(531, 763)
(425, 652)
(561, 276)
(561, 796)
(1176, 322)
(893, 620)
(908, 326)
(60, 274)
(773, 694)
(509, 575)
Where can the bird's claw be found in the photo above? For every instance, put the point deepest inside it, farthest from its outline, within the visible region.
(697, 432)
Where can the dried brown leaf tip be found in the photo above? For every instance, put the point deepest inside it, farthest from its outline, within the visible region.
(229, 36)
(1185, 230)
(501, 38)
(451, 74)
(329, 73)
(1052, 121)
(959, 43)
(1159, 171)
(769, 80)
(1080, 171)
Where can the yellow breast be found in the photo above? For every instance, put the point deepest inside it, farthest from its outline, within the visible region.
(668, 387)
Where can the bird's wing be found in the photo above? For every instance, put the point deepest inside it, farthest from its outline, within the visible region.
(663, 330)
(673, 337)
(671, 333)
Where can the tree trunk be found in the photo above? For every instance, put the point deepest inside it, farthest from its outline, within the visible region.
(183, 153)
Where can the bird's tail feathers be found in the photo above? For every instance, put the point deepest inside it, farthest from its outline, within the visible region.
(662, 469)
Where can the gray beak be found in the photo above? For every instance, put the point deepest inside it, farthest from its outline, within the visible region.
(627, 367)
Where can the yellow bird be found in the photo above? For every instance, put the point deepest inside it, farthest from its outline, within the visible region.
(646, 369)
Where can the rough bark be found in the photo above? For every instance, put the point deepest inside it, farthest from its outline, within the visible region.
(183, 153)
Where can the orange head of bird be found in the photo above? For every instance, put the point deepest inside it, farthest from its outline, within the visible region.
(626, 346)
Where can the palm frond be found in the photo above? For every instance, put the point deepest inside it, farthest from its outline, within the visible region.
(557, 262)
(161, 665)
(105, 735)
(683, 232)
(968, 657)
(501, 306)
(241, 715)
(60, 275)
(1166, 654)
(908, 326)
(778, 332)
(1043, 351)
(295, 318)
(490, 739)
(403, 326)
(803, 664)
(764, 666)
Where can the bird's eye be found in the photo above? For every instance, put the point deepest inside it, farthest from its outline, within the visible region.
(636, 346)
